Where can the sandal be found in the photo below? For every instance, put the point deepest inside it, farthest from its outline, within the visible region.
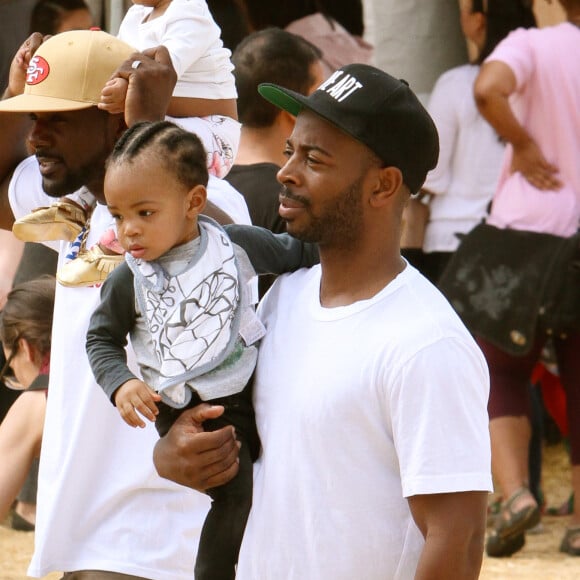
(20, 524)
(566, 546)
(508, 534)
(565, 509)
(497, 547)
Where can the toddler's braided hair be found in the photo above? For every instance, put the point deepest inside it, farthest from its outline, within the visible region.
(181, 151)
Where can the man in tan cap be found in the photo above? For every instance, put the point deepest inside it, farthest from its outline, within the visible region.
(102, 509)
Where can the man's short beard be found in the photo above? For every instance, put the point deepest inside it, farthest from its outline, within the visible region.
(73, 181)
(340, 223)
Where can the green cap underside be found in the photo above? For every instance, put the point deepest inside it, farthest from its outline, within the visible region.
(279, 98)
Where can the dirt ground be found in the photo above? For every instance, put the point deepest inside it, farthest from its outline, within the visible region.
(539, 560)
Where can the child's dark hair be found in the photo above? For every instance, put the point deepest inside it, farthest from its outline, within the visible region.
(502, 16)
(47, 15)
(181, 151)
(28, 314)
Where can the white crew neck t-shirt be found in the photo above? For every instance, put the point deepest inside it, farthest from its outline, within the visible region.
(358, 408)
(101, 504)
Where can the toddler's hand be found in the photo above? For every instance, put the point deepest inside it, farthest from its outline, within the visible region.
(135, 395)
(113, 96)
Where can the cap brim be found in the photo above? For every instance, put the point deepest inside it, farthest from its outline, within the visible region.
(284, 98)
(40, 104)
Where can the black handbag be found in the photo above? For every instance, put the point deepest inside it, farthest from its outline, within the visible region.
(506, 284)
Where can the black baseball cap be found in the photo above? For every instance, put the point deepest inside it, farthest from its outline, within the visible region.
(378, 110)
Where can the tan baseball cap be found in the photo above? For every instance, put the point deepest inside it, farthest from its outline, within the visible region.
(68, 72)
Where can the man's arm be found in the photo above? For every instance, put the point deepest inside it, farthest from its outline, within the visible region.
(493, 87)
(15, 126)
(150, 85)
(190, 456)
(453, 525)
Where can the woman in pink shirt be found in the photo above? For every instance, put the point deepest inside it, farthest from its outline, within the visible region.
(529, 91)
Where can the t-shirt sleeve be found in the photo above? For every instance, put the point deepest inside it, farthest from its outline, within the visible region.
(514, 50)
(110, 324)
(25, 191)
(439, 420)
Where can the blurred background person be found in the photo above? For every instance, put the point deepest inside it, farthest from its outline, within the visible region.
(466, 175)
(318, 22)
(231, 17)
(528, 90)
(25, 332)
(277, 56)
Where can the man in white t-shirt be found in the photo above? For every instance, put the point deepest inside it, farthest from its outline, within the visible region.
(102, 508)
(370, 394)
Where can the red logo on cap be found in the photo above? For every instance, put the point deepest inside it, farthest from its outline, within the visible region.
(37, 70)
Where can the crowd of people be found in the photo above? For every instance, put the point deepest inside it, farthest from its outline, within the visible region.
(340, 417)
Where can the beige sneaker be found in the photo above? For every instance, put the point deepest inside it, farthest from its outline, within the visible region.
(64, 220)
(88, 268)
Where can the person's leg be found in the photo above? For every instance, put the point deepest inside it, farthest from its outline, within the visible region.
(536, 440)
(510, 438)
(509, 411)
(224, 526)
(223, 529)
(168, 415)
(221, 138)
(24, 516)
(569, 366)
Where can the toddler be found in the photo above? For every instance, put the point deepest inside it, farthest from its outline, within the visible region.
(184, 296)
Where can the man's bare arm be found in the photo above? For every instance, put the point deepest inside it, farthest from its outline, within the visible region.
(493, 87)
(150, 86)
(453, 525)
(190, 456)
(15, 126)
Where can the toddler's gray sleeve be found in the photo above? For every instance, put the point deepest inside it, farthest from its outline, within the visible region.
(110, 324)
(272, 253)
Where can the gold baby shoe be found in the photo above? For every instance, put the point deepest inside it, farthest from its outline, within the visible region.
(63, 220)
(88, 268)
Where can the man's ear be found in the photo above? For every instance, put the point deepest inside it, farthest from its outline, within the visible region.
(389, 181)
(196, 200)
(287, 121)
